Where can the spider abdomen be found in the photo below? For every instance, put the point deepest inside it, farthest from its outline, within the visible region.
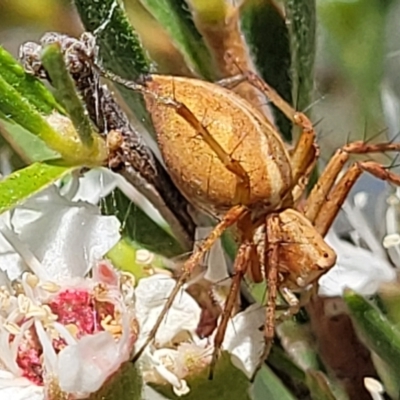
(236, 126)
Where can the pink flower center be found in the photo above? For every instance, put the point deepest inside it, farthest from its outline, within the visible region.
(73, 307)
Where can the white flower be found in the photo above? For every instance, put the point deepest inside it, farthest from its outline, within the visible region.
(151, 294)
(168, 362)
(66, 237)
(360, 269)
(245, 340)
(356, 268)
(61, 330)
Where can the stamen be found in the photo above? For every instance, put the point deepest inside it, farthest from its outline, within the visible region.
(375, 388)
(31, 280)
(65, 332)
(392, 240)
(12, 328)
(110, 325)
(144, 257)
(50, 287)
(50, 356)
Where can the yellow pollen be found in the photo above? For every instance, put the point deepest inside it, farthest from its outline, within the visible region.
(72, 329)
(111, 325)
(31, 280)
(12, 328)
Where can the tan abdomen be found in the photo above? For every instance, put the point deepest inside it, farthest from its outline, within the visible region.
(193, 165)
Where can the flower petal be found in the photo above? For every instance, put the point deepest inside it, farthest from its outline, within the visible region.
(85, 366)
(151, 295)
(67, 237)
(217, 270)
(245, 340)
(96, 184)
(30, 392)
(356, 268)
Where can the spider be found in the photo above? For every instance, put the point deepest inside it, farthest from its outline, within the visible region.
(229, 160)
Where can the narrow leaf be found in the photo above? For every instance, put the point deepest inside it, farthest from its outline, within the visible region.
(120, 48)
(228, 383)
(124, 384)
(28, 146)
(319, 386)
(268, 386)
(280, 361)
(267, 36)
(59, 134)
(53, 62)
(378, 333)
(20, 185)
(17, 109)
(177, 20)
(301, 19)
(27, 85)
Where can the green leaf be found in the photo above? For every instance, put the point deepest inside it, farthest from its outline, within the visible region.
(228, 383)
(209, 11)
(298, 341)
(28, 146)
(301, 19)
(16, 109)
(176, 19)
(376, 330)
(268, 386)
(22, 184)
(27, 85)
(280, 361)
(121, 51)
(319, 386)
(123, 256)
(125, 384)
(53, 62)
(139, 227)
(60, 137)
(387, 376)
(267, 37)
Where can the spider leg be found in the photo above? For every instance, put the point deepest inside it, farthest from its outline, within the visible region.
(230, 218)
(271, 265)
(320, 205)
(246, 261)
(340, 191)
(240, 267)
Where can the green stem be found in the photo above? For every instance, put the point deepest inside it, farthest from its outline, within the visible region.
(53, 62)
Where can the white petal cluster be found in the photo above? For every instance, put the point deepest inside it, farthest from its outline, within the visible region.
(58, 327)
(177, 352)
